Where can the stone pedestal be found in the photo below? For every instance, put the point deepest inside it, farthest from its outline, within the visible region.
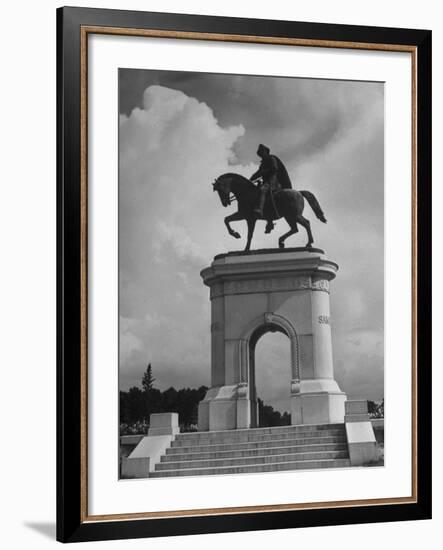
(362, 444)
(318, 402)
(163, 427)
(163, 424)
(257, 292)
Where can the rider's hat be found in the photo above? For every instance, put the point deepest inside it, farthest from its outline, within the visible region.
(262, 149)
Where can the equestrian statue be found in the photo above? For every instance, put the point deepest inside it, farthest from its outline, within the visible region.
(271, 199)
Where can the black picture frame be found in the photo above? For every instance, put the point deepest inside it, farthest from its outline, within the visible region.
(72, 523)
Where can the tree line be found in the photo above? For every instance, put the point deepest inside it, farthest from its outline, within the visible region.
(137, 404)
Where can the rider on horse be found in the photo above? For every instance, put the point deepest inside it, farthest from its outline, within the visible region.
(274, 177)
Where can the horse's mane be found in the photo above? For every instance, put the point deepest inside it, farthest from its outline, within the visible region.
(239, 177)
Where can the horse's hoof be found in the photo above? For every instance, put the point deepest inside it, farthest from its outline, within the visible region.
(309, 245)
(281, 245)
(236, 235)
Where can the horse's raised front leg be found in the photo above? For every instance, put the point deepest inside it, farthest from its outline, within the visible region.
(251, 227)
(233, 218)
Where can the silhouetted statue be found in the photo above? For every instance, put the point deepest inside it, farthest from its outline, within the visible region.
(272, 176)
(271, 200)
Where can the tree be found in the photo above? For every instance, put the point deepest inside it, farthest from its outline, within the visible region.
(132, 405)
(372, 407)
(148, 380)
(269, 417)
(136, 406)
(376, 409)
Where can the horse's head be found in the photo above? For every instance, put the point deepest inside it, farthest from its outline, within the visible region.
(223, 187)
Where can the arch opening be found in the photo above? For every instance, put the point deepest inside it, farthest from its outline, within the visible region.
(270, 374)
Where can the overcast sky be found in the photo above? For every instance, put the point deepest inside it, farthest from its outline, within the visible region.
(178, 132)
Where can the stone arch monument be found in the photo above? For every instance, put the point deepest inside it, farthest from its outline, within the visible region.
(257, 292)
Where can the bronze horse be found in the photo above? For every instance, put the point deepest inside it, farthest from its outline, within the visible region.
(286, 203)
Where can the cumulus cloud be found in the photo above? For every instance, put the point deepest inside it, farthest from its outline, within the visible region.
(178, 136)
(297, 117)
(171, 150)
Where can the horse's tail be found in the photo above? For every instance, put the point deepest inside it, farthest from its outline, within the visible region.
(314, 204)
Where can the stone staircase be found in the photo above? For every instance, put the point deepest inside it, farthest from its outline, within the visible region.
(255, 450)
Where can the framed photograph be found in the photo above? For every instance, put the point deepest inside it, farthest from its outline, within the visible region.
(244, 274)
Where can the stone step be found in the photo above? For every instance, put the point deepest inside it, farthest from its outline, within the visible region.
(272, 467)
(257, 451)
(251, 460)
(268, 430)
(247, 445)
(250, 435)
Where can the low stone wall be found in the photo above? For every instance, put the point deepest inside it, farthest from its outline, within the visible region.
(362, 443)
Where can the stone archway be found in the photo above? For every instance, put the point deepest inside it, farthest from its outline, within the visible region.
(266, 290)
(252, 369)
(269, 322)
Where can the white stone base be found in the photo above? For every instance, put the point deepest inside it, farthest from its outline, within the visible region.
(362, 444)
(225, 408)
(163, 427)
(145, 456)
(318, 401)
(163, 424)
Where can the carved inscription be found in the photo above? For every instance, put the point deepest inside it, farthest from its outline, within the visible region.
(268, 285)
(323, 319)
